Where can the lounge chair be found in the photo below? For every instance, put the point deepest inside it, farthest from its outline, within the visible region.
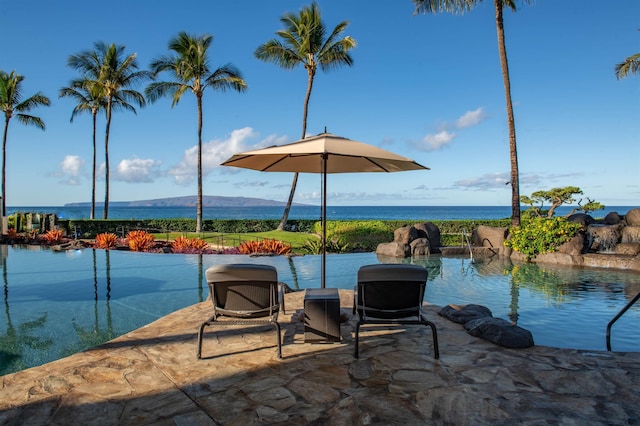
(391, 294)
(248, 294)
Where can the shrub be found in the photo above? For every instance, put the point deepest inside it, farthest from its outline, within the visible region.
(188, 245)
(12, 234)
(314, 246)
(106, 240)
(140, 240)
(541, 235)
(264, 246)
(53, 236)
(343, 236)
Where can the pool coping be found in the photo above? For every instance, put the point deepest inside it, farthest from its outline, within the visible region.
(151, 375)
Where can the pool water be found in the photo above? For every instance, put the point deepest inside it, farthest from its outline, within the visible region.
(59, 303)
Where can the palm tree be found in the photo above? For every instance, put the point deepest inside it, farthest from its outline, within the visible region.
(112, 75)
(11, 104)
(88, 99)
(462, 6)
(630, 65)
(190, 69)
(303, 42)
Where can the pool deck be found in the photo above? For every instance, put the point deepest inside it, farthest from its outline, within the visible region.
(151, 376)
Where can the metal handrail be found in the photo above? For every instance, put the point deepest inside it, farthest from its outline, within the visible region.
(465, 236)
(622, 311)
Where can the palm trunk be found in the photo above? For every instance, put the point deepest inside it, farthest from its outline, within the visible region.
(199, 202)
(4, 165)
(92, 216)
(515, 179)
(287, 208)
(105, 214)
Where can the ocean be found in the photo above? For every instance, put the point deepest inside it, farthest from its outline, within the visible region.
(417, 213)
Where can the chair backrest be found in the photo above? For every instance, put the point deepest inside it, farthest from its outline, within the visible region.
(243, 290)
(391, 290)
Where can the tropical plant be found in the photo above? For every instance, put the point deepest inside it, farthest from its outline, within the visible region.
(541, 235)
(53, 236)
(462, 6)
(333, 245)
(630, 65)
(303, 42)
(188, 245)
(106, 240)
(264, 247)
(190, 69)
(108, 73)
(140, 240)
(13, 105)
(88, 99)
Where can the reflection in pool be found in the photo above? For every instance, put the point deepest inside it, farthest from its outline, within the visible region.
(56, 304)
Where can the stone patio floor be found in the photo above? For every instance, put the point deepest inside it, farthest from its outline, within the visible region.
(151, 376)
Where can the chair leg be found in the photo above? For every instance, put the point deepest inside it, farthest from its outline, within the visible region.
(356, 354)
(200, 335)
(279, 339)
(434, 333)
(200, 332)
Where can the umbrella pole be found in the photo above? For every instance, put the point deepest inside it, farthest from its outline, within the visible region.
(324, 219)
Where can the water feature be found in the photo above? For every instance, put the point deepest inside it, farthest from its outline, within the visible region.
(56, 304)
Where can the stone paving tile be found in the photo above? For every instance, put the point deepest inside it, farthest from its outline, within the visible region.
(152, 376)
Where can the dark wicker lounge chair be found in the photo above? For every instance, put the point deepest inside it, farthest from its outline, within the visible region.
(391, 294)
(248, 294)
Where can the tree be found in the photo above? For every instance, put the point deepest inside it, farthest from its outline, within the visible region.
(557, 197)
(629, 65)
(462, 6)
(303, 42)
(88, 99)
(190, 69)
(12, 104)
(112, 75)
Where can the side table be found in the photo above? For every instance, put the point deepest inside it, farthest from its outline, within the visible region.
(321, 315)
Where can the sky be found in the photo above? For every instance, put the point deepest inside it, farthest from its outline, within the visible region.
(428, 87)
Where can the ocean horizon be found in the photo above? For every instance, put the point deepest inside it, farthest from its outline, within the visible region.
(417, 213)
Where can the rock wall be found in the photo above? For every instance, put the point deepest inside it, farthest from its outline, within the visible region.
(613, 242)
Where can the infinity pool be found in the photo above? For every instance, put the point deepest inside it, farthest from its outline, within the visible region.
(56, 304)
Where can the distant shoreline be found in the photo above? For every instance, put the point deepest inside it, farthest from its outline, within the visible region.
(300, 212)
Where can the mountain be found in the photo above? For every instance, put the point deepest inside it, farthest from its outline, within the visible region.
(191, 200)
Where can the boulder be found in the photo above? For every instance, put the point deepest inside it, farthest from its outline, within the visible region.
(557, 258)
(612, 218)
(573, 247)
(394, 249)
(581, 218)
(405, 235)
(633, 217)
(463, 314)
(501, 332)
(630, 234)
(489, 236)
(420, 247)
(431, 232)
(628, 249)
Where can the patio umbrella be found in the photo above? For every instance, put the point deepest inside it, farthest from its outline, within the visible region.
(324, 153)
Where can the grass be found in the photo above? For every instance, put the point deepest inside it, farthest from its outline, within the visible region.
(217, 239)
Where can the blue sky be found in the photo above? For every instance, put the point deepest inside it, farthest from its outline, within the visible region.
(428, 87)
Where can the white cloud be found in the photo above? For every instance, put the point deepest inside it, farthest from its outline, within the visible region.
(471, 118)
(436, 141)
(215, 152)
(444, 136)
(71, 168)
(485, 182)
(137, 170)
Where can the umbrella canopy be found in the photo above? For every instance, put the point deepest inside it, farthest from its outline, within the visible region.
(324, 153)
(342, 155)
